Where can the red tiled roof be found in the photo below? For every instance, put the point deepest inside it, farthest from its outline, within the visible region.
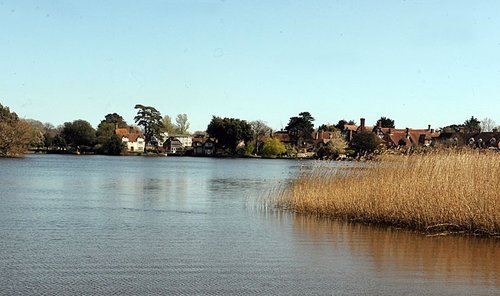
(133, 137)
(282, 136)
(121, 131)
(396, 136)
(132, 134)
(410, 136)
(323, 135)
(199, 140)
(351, 127)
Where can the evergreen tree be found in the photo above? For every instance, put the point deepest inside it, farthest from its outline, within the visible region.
(151, 121)
(300, 128)
(385, 122)
(229, 132)
(472, 125)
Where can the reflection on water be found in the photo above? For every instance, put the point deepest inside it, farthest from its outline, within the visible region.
(412, 257)
(133, 225)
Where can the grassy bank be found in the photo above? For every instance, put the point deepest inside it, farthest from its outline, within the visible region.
(446, 191)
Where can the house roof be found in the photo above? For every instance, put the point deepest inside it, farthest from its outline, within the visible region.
(366, 128)
(173, 140)
(282, 136)
(180, 136)
(198, 140)
(351, 127)
(485, 136)
(133, 137)
(409, 136)
(121, 131)
(131, 133)
(464, 138)
(396, 137)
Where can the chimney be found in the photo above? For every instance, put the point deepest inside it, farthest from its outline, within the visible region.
(379, 124)
(429, 127)
(407, 132)
(390, 131)
(362, 124)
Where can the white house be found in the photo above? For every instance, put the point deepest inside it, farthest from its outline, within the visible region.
(134, 142)
(187, 141)
(133, 139)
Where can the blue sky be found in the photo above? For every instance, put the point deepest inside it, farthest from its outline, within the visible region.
(417, 62)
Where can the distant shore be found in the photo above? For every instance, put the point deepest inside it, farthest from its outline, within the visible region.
(72, 152)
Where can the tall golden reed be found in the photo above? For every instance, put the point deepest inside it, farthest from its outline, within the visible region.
(450, 190)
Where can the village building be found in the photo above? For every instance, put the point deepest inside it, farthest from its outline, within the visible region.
(202, 145)
(484, 140)
(348, 131)
(282, 136)
(209, 147)
(198, 148)
(186, 140)
(177, 144)
(406, 137)
(173, 146)
(132, 137)
(321, 138)
(197, 144)
(394, 137)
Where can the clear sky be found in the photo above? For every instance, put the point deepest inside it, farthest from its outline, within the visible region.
(417, 62)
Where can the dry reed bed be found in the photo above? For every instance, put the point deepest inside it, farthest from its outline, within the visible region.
(452, 191)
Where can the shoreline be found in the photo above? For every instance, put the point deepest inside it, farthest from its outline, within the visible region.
(443, 193)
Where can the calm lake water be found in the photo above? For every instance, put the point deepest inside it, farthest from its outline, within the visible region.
(86, 225)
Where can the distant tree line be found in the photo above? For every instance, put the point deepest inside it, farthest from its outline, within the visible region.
(232, 136)
(18, 135)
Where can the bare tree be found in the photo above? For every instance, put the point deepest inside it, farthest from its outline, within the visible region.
(488, 124)
(260, 131)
